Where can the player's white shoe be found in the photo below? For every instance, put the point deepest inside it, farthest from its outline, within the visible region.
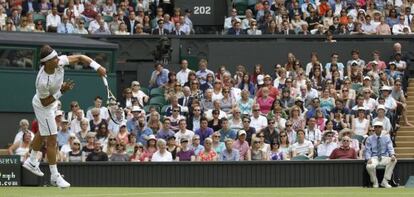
(58, 181)
(33, 167)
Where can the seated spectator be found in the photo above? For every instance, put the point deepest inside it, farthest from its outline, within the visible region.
(275, 152)
(379, 151)
(165, 132)
(119, 154)
(229, 153)
(327, 145)
(63, 133)
(160, 30)
(53, 20)
(122, 30)
(138, 151)
(89, 146)
(21, 147)
(271, 133)
(208, 154)
(256, 153)
(172, 146)
(65, 27)
(150, 149)
(312, 132)
(228, 22)
(184, 153)
(97, 154)
(236, 29)
(110, 146)
(102, 30)
(258, 121)
(161, 155)
(218, 145)
(39, 27)
(76, 154)
(302, 146)
(24, 127)
(344, 151)
(285, 144)
(226, 131)
(159, 76)
(354, 142)
(66, 148)
(175, 118)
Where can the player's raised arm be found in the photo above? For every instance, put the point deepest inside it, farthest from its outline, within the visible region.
(73, 59)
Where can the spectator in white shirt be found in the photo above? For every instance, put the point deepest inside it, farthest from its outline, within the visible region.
(182, 75)
(257, 121)
(228, 21)
(53, 20)
(162, 154)
(400, 28)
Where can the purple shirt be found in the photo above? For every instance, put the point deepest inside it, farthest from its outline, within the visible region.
(164, 134)
(204, 134)
(185, 155)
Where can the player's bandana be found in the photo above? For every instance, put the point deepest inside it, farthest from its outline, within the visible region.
(49, 57)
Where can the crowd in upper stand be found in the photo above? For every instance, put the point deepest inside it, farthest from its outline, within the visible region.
(252, 17)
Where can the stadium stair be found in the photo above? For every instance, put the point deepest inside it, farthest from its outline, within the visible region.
(405, 135)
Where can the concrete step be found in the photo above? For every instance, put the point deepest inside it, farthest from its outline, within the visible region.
(405, 156)
(406, 128)
(405, 143)
(400, 149)
(404, 149)
(405, 133)
(405, 139)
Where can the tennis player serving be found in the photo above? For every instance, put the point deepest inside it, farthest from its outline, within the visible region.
(49, 88)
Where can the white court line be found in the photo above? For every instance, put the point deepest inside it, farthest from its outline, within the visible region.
(230, 193)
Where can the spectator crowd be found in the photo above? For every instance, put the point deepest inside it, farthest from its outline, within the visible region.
(252, 17)
(298, 111)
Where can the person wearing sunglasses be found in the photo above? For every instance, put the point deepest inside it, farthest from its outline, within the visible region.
(344, 151)
(328, 145)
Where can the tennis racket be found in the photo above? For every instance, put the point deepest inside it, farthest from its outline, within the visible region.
(111, 100)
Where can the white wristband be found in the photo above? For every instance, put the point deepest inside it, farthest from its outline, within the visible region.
(94, 65)
(57, 95)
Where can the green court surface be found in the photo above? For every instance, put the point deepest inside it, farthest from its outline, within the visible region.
(204, 192)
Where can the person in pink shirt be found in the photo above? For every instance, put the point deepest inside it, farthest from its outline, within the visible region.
(242, 145)
(265, 101)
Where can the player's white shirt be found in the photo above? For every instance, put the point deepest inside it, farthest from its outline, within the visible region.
(50, 84)
(47, 85)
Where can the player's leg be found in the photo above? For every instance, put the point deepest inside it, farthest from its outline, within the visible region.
(32, 163)
(55, 178)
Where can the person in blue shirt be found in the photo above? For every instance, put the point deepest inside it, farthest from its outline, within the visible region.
(159, 76)
(65, 27)
(229, 154)
(226, 131)
(204, 131)
(379, 151)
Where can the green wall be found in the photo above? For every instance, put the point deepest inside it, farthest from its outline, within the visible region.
(17, 89)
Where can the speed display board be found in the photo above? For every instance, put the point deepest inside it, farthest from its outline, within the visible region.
(204, 12)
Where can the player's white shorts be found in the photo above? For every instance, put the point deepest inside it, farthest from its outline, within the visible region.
(45, 117)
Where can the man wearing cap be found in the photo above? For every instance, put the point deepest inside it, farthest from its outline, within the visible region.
(229, 153)
(390, 103)
(344, 151)
(379, 151)
(133, 122)
(141, 130)
(63, 133)
(382, 118)
(242, 146)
